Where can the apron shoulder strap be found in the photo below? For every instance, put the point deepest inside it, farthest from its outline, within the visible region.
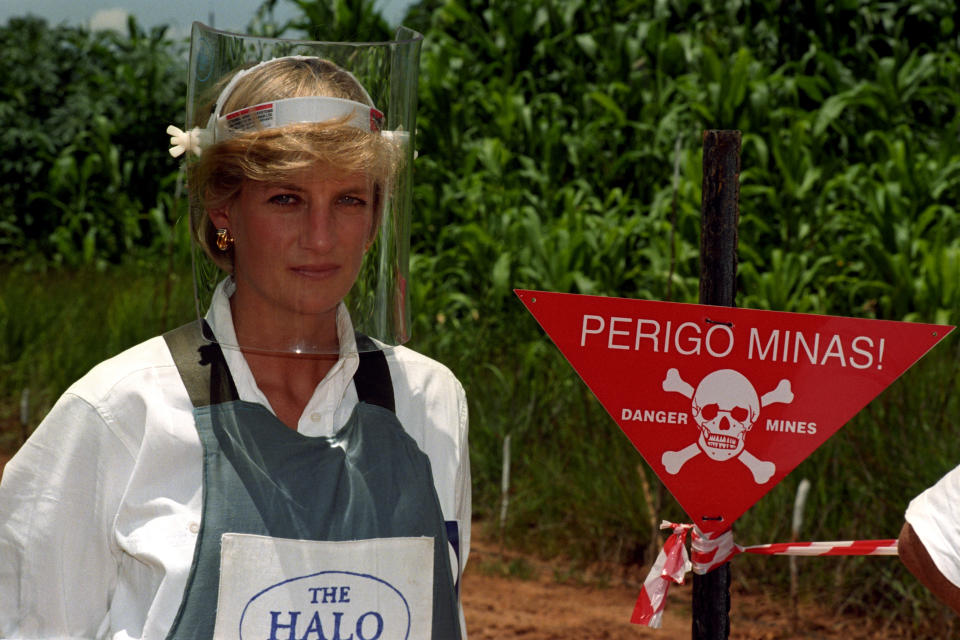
(372, 378)
(208, 381)
(201, 365)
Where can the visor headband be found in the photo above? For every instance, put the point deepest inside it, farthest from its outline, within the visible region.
(279, 113)
(276, 113)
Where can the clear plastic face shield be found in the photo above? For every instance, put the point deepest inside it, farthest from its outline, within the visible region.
(299, 158)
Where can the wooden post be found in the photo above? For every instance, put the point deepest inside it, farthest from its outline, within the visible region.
(720, 209)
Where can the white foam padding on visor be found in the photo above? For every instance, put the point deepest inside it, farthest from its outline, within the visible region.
(279, 113)
(276, 113)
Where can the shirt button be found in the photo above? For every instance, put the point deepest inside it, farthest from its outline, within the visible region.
(316, 417)
(194, 527)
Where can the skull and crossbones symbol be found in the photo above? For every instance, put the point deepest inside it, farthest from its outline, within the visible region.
(725, 407)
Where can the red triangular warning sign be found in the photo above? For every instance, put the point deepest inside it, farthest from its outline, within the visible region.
(723, 403)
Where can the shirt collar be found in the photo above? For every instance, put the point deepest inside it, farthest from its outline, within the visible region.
(220, 319)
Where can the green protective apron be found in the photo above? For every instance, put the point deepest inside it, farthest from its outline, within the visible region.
(261, 477)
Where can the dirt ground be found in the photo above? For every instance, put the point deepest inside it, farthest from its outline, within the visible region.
(509, 596)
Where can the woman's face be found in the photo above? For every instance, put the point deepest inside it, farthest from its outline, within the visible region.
(299, 243)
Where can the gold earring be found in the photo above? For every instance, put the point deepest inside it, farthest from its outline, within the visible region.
(224, 239)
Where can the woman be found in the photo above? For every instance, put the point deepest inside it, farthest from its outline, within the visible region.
(259, 426)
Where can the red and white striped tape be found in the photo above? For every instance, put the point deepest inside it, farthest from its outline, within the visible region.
(835, 548)
(711, 551)
(672, 565)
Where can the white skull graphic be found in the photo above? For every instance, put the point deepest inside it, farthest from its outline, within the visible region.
(725, 406)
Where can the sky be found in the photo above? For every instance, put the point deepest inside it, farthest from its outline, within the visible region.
(230, 15)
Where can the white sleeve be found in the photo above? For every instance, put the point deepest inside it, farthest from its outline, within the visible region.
(58, 499)
(935, 517)
(464, 496)
(463, 492)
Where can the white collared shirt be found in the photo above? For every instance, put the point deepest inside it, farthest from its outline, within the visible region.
(100, 509)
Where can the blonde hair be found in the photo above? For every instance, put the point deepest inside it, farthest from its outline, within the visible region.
(268, 155)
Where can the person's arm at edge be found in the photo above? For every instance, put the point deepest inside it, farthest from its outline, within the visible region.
(913, 554)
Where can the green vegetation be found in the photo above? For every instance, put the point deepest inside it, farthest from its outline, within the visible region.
(559, 149)
(82, 165)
